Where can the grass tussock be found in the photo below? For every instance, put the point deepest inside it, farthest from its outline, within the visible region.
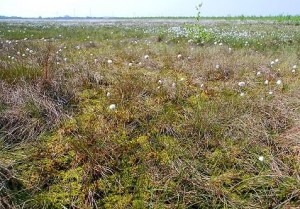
(124, 120)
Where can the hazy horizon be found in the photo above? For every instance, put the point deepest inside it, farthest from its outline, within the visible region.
(134, 8)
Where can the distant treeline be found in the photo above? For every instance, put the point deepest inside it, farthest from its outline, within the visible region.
(60, 18)
(276, 18)
(280, 18)
(295, 18)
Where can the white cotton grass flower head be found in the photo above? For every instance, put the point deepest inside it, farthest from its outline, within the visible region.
(272, 63)
(266, 82)
(181, 79)
(159, 82)
(179, 56)
(271, 92)
(217, 66)
(109, 61)
(112, 107)
(130, 64)
(108, 94)
(261, 158)
(294, 68)
(241, 84)
(278, 82)
(230, 49)
(258, 73)
(242, 94)
(146, 56)
(276, 61)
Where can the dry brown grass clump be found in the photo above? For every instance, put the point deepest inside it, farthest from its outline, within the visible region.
(28, 110)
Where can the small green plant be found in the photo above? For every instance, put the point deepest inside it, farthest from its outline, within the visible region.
(199, 34)
(198, 8)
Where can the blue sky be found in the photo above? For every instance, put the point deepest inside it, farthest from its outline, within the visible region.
(129, 8)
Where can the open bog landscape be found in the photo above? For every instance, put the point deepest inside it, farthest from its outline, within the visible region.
(150, 113)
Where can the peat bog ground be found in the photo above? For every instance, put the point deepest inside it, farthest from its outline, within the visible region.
(150, 114)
